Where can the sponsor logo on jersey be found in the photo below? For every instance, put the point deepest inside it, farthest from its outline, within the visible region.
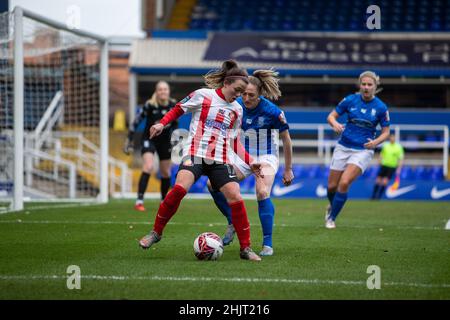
(360, 122)
(216, 125)
(364, 111)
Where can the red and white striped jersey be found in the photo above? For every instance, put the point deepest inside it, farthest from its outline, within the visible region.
(214, 125)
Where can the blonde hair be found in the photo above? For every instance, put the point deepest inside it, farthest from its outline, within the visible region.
(372, 75)
(154, 100)
(229, 72)
(267, 83)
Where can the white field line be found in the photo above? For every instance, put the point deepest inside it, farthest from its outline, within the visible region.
(20, 221)
(56, 206)
(220, 279)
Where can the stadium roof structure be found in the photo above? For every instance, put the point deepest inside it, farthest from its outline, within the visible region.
(297, 54)
(183, 57)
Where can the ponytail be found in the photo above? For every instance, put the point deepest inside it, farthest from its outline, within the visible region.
(267, 83)
(229, 72)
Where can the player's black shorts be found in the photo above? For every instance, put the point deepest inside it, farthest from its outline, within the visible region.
(387, 172)
(163, 147)
(219, 174)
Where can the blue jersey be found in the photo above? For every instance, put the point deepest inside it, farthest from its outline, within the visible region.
(261, 126)
(363, 118)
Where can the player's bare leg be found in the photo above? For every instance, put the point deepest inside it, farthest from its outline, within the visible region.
(168, 207)
(333, 182)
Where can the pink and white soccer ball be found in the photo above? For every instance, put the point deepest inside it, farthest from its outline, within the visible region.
(208, 246)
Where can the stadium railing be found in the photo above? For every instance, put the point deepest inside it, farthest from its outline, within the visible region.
(323, 145)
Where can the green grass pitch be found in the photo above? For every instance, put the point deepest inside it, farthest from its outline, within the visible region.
(406, 240)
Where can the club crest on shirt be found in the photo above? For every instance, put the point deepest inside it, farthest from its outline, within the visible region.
(373, 112)
(248, 121)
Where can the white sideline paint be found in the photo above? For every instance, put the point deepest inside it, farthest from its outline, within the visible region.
(447, 226)
(20, 221)
(57, 206)
(157, 195)
(211, 279)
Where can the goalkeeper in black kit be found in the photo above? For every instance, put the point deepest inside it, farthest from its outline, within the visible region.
(153, 111)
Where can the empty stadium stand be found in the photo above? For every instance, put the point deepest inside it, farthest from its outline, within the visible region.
(309, 15)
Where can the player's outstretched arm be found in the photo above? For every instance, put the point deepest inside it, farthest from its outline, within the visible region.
(372, 144)
(239, 149)
(156, 129)
(288, 175)
(256, 169)
(172, 115)
(332, 121)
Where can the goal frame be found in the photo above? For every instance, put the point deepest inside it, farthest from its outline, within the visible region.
(19, 13)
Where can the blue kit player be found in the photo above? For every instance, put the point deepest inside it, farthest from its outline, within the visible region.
(355, 148)
(263, 123)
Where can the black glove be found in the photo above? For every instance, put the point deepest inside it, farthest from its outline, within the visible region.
(128, 147)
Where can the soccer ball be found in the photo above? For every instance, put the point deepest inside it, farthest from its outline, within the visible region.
(208, 246)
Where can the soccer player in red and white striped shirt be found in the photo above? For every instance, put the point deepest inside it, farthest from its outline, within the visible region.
(214, 130)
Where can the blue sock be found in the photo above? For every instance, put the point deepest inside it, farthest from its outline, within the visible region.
(266, 213)
(330, 196)
(222, 204)
(338, 204)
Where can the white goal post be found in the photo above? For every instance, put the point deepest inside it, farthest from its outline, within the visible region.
(53, 112)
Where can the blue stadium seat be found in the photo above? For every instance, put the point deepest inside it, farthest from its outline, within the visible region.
(406, 173)
(199, 185)
(324, 15)
(248, 184)
(437, 173)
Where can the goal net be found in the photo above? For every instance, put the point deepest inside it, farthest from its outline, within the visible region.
(59, 100)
